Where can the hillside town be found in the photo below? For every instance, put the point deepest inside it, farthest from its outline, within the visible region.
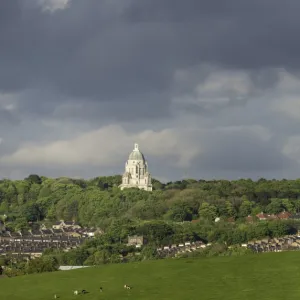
(68, 235)
(134, 217)
(28, 244)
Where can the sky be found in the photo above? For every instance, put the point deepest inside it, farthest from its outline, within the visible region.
(209, 89)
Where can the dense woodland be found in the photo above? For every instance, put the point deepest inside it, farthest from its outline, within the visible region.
(174, 212)
(99, 202)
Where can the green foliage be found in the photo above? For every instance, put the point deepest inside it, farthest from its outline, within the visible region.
(33, 178)
(99, 202)
(21, 224)
(75, 257)
(208, 211)
(149, 252)
(42, 264)
(245, 208)
(33, 212)
(157, 232)
(180, 211)
(275, 206)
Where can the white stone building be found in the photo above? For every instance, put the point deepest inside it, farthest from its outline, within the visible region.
(136, 171)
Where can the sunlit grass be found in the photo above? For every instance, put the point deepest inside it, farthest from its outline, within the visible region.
(265, 276)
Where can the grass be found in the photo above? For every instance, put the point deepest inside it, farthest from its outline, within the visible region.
(265, 276)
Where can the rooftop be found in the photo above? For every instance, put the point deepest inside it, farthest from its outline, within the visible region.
(136, 154)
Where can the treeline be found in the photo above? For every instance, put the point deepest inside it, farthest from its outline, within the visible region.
(99, 202)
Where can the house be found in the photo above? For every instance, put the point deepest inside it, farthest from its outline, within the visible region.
(91, 232)
(272, 217)
(284, 215)
(135, 240)
(71, 232)
(65, 224)
(58, 225)
(262, 216)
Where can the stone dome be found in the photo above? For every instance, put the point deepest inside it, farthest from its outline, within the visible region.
(136, 154)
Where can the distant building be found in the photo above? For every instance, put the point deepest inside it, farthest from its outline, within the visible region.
(262, 216)
(135, 240)
(284, 215)
(66, 224)
(136, 171)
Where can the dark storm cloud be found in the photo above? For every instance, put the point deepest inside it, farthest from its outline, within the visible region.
(8, 118)
(112, 61)
(246, 34)
(82, 52)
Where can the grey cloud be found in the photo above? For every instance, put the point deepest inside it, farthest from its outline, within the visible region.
(102, 62)
(138, 50)
(8, 118)
(119, 112)
(233, 33)
(242, 155)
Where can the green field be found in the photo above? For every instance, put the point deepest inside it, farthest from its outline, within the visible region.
(265, 276)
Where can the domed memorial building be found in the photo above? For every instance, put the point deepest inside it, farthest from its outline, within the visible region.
(136, 171)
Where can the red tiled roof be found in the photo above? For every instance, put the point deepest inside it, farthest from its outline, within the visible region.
(262, 215)
(195, 221)
(284, 215)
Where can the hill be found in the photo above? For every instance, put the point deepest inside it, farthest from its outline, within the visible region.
(99, 201)
(268, 276)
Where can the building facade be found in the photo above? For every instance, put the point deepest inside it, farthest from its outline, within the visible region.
(135, 240)
(136, 171)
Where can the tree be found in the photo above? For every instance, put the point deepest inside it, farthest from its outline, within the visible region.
(46, 263)
(275, 206)
(231, 212)
(21, 224)
(207, 211)
(245, 208)
(288, 205)
(155, 231)
(296, 204)
(261, 230)
(278, 228)
(157, 185)
(33, 212)
(149, 252)
(98, 258)
(33, 178)
(180, 211)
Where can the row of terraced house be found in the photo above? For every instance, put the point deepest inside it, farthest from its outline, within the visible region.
(289, 242)
(31, 243)
(284, 215)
